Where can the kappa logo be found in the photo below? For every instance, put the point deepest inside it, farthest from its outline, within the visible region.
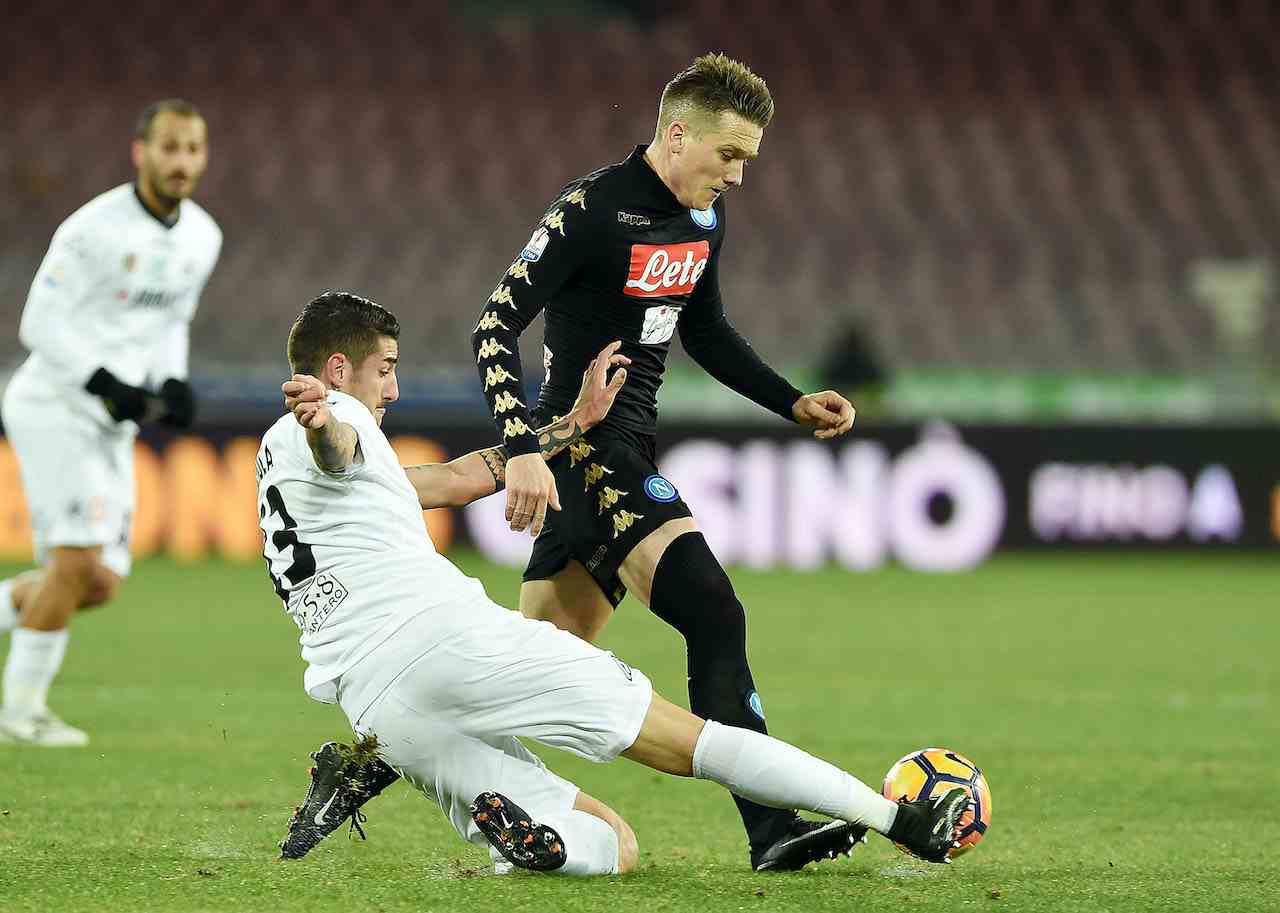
(635, 221)
(520, 270)
(494, 376)
(504, 402)
(514, 427)
(623, 520)
(490, 321)
(659, 270)
(594, 473)
(489, 348)
(555, 221)
(579, 451)
(609, 497)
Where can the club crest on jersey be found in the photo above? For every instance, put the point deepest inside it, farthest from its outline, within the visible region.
(660, 490)
(532, 252)
(704, 218)
(659, 270)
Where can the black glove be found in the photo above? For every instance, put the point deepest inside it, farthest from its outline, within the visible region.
(122, 400)
(179, 403)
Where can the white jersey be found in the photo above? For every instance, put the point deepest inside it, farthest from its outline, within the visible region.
(116, 290)
(348, 552)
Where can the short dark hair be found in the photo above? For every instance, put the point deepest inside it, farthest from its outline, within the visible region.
(337, 321)
(142, 130)
(712, 84)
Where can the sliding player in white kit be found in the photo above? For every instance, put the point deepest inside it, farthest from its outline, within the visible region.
(416, 654)
(107, 324)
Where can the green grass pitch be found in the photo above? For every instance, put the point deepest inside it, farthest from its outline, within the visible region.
(1126, 711)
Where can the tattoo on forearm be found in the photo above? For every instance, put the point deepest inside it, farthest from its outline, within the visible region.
(495, 460)
(551, 440)
(332, 448)
(558, 435)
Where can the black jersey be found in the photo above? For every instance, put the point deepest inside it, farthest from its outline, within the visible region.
(616, 257)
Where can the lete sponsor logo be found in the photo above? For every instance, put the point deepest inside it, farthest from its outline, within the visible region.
(658, 270)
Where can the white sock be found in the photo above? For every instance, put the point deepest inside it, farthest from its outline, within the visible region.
(589, 842)
(34, 660)
(8, 611)
(771, 772)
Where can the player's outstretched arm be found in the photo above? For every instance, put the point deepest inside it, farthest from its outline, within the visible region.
(333, 443)
(482, 472)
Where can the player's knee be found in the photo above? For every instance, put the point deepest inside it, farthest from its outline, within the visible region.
(563, 620)
(692, 593)
(76, 571)
(102, 588)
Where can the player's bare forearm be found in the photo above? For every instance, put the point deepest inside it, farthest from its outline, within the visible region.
(480, 473)
(333, 445)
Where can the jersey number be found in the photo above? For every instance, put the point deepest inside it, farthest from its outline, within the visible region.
(304, 562)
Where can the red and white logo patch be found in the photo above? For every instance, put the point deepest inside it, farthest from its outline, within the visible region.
(658, 270)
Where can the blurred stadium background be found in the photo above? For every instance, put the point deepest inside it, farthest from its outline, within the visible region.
(1035, 241)
(1021, 218)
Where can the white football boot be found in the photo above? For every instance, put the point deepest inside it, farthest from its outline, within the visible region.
(43, 728)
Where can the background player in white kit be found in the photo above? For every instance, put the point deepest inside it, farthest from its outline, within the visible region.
(107, 324)
(417, 655)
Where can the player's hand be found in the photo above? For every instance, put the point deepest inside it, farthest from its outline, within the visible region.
(531, 489)
(595, 399)
(123, 402)
(827, 411)
(304, 396)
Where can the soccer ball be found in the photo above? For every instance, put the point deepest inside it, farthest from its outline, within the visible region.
(932, 771)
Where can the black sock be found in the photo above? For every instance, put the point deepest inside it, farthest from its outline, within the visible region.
(692, 593)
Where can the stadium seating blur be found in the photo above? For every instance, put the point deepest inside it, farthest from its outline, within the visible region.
(1027, 186)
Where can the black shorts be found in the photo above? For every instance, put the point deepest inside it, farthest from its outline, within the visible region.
(611, 497)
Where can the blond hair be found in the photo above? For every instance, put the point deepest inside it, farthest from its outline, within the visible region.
(711, 85)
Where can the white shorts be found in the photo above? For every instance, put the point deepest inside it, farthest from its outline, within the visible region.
(77, 474)
(449, 721)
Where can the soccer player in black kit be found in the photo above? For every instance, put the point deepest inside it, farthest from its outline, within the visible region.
(631, 252)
